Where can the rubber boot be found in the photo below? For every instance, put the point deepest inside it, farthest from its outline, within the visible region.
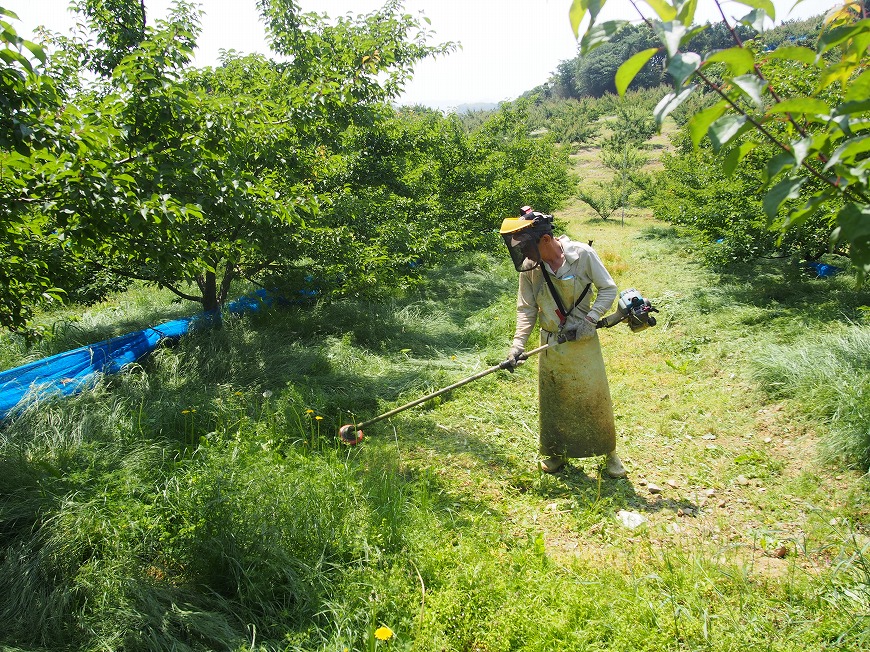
(552, 464)
(614, 466)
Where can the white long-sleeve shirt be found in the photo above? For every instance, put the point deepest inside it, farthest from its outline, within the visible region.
(580, 267)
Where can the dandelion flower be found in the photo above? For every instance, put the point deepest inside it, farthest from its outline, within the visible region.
(383, 633)
(318, 418)
(309, 411)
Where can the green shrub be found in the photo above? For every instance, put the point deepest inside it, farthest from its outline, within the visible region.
(725, 212)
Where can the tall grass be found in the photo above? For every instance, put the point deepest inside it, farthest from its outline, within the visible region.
(828, 376)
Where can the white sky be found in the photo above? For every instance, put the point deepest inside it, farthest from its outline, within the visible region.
(508, 46)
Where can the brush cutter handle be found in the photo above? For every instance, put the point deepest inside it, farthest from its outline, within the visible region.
(464, 381)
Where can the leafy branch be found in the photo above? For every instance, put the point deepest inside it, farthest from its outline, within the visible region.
(831, 148)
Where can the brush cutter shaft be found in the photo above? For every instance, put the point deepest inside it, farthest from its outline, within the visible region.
(464, 381)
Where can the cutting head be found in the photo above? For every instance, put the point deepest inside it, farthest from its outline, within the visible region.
(350, 435)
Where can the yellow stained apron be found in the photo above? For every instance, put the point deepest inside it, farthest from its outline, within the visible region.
(574, 405)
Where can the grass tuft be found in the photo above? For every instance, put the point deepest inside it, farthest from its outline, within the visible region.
(829, 377)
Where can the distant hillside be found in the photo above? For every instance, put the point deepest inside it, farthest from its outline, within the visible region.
(477, 106)
(592, 74)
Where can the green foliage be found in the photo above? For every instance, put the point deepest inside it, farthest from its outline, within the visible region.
(568, 121)
(630, 126)
(725, 211)
(595, 70)
(631, 122)
(119, 26)
(413, 189)
(817, 130)
(603, 198)
(25, 92)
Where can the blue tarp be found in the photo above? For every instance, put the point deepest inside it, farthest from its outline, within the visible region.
(72, 371)
(822, 270)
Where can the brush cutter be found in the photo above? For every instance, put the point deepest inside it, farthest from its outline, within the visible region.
(351, 434)
(632, 307)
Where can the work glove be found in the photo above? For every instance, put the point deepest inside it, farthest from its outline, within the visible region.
(513, 358)
(585, 329)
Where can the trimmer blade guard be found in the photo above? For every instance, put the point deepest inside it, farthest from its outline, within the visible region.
(349, 435)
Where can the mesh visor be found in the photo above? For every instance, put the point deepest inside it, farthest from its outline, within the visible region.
(523, 248)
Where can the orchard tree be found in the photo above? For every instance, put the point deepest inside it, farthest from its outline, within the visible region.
(193, 178)
(819, 132)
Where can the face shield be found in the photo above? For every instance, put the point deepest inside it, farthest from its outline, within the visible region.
(523, 248)
(521, 236)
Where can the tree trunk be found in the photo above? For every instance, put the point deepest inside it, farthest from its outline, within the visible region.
(208, 286)
(211, 307)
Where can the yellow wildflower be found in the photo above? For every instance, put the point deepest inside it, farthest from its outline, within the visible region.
(383, 633)
(318, 418)
(309, 411)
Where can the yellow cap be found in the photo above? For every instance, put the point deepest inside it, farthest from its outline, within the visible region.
(514, 224)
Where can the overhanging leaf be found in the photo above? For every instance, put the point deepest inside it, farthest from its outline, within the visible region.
(778, 163)
(578, 11)
(701, 121)
(831, 37)
(859, 88)
(755, 19)
(801, 105)
(576, 14)
(36, 50)
(682, 66)
(801, 215)
(794, 53)
(600, 34)
(663, 9)
(853, 227)
(851, 108)
(785, 189)
(854, 221)
(752, 86)
(672, 34)
(847, 152)
(739, 60)
(629, 69)
(764, 5)
(686, 11)
(670, 102)
(839, 72)
(723, 130)
(732, 160)
(801, 148)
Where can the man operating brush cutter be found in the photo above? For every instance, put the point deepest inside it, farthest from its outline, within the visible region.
(556, 279)
(557, 274)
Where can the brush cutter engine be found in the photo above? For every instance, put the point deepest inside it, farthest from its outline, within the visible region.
(631, 308)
